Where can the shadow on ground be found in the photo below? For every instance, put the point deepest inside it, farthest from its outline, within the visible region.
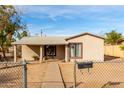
(108, 58)
(111, 84)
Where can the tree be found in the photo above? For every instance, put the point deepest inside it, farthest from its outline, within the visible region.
(10, 24)
(22, 34)
(113, 37)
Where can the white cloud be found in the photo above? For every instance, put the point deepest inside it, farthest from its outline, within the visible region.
(71, 12)
(103, 18)
(68, 12)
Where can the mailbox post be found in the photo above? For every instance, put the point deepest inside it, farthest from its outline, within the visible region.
(74, 73)
(81, 65)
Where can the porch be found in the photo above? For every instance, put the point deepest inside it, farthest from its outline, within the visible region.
(43, 52)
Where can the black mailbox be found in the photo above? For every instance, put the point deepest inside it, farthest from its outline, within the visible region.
(82, 65)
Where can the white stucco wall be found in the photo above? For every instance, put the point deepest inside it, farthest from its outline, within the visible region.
(92, 48)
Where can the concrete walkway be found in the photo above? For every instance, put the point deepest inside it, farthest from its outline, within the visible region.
(52, 77)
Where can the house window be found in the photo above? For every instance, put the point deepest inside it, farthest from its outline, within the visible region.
(75, 50)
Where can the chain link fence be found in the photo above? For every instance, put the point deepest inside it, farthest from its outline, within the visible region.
(24, 75)
(108, 74)
(10, 75)
(21, 75)
(101, 75)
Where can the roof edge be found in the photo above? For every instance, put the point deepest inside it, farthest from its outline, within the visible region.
(86, 33)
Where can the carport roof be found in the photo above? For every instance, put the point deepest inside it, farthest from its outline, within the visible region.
(44, 40)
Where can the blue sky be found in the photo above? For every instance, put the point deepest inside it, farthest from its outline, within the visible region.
(70, 20)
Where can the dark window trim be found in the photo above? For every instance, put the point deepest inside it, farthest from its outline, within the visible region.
(81, 50)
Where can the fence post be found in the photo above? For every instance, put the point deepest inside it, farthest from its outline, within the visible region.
(74, 73)
(24, 73)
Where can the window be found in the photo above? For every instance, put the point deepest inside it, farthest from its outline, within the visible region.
(75, 49)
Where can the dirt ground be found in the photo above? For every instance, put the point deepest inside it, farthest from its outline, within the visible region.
(12, 77)
(110, 75)
(36, 73)
(107, 74)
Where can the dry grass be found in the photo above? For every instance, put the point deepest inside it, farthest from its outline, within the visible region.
(101, 75)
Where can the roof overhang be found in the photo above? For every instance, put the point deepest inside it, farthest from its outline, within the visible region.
(75, 36)
(36, 44)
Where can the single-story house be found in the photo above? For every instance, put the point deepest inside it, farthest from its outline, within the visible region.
(81, 47)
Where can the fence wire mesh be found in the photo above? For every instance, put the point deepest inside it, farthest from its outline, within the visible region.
(10, 75)
(108, 74)
(102, 75)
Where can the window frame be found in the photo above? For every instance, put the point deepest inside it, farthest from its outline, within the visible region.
(80, 43)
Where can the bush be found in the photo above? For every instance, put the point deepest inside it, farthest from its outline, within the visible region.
(122, 47)
(35, 57)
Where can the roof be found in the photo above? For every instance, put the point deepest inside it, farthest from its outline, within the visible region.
(82, 34)
(51, 40)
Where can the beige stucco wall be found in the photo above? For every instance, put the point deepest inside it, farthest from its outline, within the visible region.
(60, 51)
(92, 48)
(30, 50)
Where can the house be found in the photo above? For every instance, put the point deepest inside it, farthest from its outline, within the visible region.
(81, 47)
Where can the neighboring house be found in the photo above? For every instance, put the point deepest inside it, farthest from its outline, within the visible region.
(81, 47)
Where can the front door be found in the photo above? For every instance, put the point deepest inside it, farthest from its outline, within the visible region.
(50, 51)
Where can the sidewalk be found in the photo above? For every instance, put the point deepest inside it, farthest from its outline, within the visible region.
(52, 77)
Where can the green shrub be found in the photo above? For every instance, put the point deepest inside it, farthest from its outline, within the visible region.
(35, 57)
(122, 47)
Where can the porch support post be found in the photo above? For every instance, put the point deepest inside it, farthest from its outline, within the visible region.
(41, 53)
(15, 54)
(66, 53)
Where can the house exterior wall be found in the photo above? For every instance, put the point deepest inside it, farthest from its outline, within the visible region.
(28, 51)
(60, 51)
(92, 48)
